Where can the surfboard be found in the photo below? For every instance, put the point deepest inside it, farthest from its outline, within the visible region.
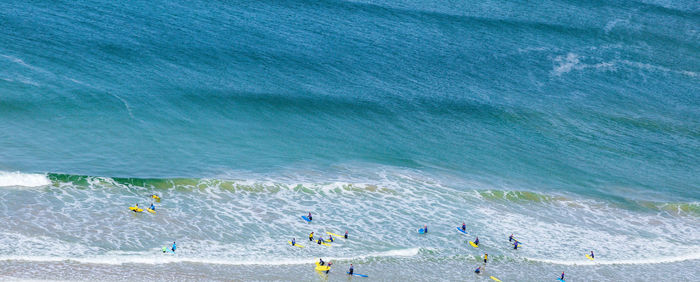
(459, 229)
(325, 244)
(495, 279)
(295, 244)
(306, 218)
(320, 267)
(151, 211)
(562, 280)
(473, 245)
(166, 249)
(335, 235)
(589, 257)
(135, 209)
(421, 231)
(361, 275)
(154, 196)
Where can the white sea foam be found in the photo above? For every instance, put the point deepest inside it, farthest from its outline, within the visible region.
(8, 179)
(159, 258)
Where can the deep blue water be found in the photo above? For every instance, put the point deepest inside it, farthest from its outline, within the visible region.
(588, 99)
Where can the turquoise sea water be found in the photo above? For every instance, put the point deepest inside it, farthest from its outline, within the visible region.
(574, 125)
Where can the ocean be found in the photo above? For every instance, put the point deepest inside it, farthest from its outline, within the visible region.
(574, 125)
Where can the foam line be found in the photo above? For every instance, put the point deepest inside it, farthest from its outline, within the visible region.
(150, 258)
(17, 178)
(602, 261)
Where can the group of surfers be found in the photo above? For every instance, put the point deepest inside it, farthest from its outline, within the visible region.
(510, 239)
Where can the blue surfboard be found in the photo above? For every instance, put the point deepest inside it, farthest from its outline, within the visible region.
(421, 231)
(361, 275)
(562, 280)
(461, 231)
(306, 218)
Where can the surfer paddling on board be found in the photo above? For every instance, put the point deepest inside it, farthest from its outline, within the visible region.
(294, 241)
(330, 238)
(464, 227)
(478, 270)
(153, 207)
(515, 245)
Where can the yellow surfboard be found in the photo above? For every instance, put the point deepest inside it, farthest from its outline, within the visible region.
(295, 245)
(136, 209)
(325, 244)
(589, 257)
(336, 235)
(473, 245)
(151, 211)
(495, 279)
(154, 196)
(320, 267)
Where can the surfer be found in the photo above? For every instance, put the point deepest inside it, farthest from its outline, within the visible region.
(592, 256)
(153, 207)
(515, 245)
(294, 241)
(311, 236)
(510, 239)
(309, 216)
(174, 247)
(329, 267)
(478, 270)
(425, 228)
(346, 234)
(562, 275)
(486, 257)
(319, 241)
(321, 262)
(330, 238)
(352, 269)
(476, 242)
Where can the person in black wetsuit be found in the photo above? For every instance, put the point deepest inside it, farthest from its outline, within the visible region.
(329, 267)
(510, 239)
(321, 262)
(310, 217)
(476, 242)
(592, 256)
(319, 241)
(346, 234)
(294, 241)
(464, 227)
(352, 269)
